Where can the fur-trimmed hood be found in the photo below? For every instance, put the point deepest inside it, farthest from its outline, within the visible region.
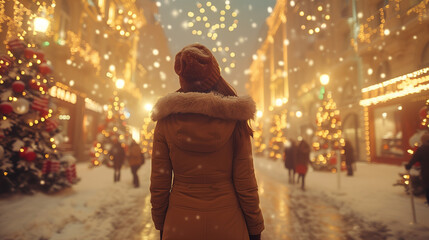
(210, 104)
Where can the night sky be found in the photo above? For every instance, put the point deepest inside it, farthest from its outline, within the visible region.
(200, 21)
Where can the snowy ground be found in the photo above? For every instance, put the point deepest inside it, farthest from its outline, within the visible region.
(366, 207)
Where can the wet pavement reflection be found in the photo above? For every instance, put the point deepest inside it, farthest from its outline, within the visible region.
(149, 232)
(291, 213)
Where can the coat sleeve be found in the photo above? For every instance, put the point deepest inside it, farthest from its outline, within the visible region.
(246, 186)
(160, 179)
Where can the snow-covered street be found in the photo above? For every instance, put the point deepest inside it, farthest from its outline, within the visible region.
(366, 207)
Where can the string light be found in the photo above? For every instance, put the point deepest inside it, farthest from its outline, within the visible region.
(367, 32)
(213, 22)
(404, 85)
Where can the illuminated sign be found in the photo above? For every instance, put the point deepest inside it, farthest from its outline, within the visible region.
(64, 117)
(410, 83)
(63, 94)
(93, 106)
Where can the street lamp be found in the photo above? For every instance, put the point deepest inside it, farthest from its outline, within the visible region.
(120, 83)
(41, 24)
(324, 79)
(148, 107)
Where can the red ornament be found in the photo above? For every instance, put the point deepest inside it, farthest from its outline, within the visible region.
(6, 108)
(16, 46)
(34, 84)
(423, 112)
(333, 161)
(5, 64)
(40, 55)
(18, 86)
(22, 153)
(44, 69)
(100, 128)
(28, 53)
(30, 156)
(44, 86)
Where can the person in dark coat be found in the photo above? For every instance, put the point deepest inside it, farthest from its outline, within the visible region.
(302, 161)
(289, 159)
(421, 155)
(202, 135)
(118, 155)
(348, 154)
(135, 160)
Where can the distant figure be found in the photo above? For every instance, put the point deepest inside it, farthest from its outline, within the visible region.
(302, 161)
(348, 153)
(290, 159)
(135, 159)
(421, 155)
(118, 154)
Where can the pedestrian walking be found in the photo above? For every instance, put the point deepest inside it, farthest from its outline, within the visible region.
(421, 155)
(135, 160)
(118, 155)
(302, 161)
(203, 136)
(290, 159)
(349, 156)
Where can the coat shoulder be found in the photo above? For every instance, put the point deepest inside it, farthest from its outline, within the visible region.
(210, 104)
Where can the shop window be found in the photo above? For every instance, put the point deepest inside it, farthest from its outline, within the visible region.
(388, 131)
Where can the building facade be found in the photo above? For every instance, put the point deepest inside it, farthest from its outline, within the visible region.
(359, 45)
(91, 45)
(393, 43)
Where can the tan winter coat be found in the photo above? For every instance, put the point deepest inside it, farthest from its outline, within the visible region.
(214, 194)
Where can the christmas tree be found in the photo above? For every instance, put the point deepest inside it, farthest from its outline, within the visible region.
(29, 159)
(114, 128)
(147, 132)
(328, 136)
(258, 140)
(276, 143)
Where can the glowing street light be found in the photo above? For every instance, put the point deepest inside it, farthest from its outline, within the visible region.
(41, 24)
(148, 107)
(120, 83)
(324, 79)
